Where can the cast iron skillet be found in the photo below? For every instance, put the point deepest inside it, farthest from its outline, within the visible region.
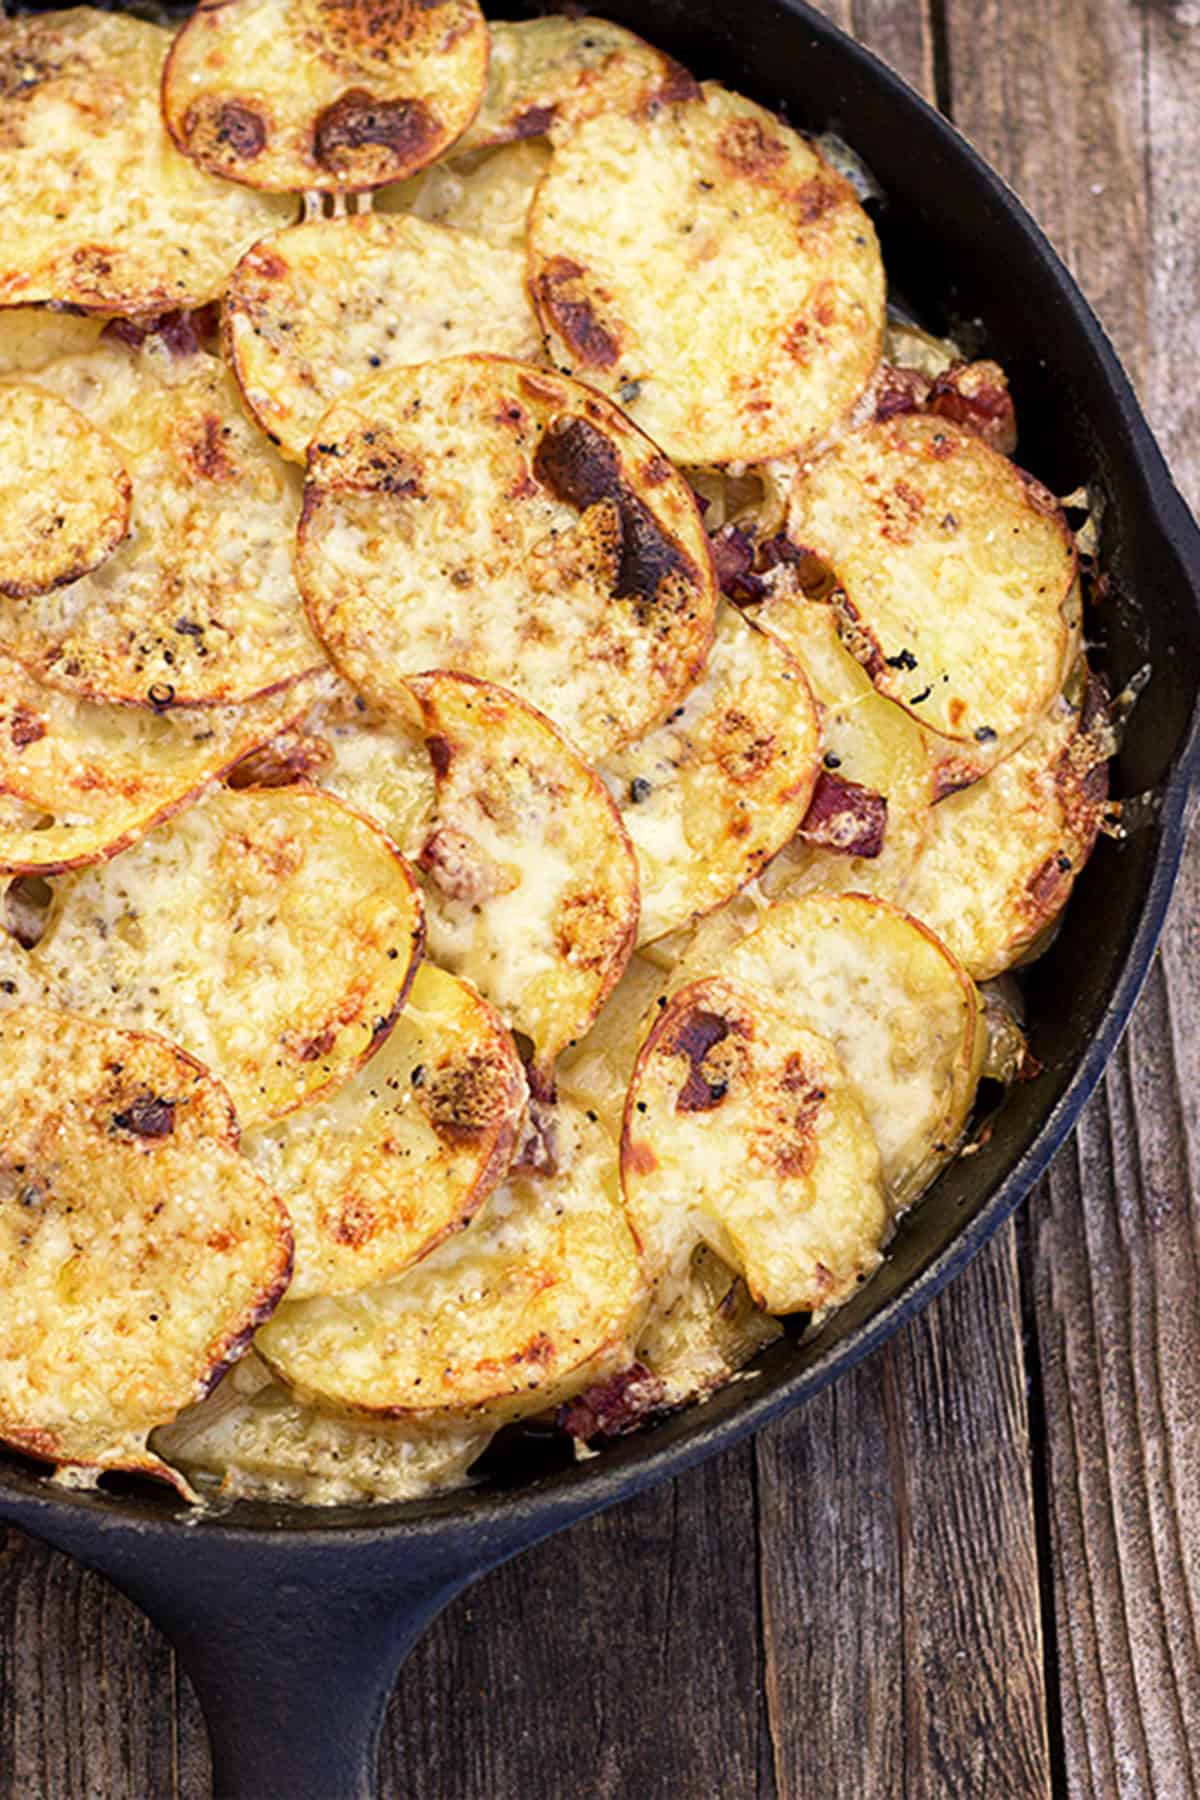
(292, 1623)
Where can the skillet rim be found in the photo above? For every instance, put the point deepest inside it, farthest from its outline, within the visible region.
(507, 1519)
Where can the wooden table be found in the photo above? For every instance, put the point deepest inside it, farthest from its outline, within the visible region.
(973, 1568)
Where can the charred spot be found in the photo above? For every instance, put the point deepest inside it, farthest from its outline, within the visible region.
(900, 391)
(357, 121)
(314, 1048)
(268, 263)
(678, 84)
(25, 727)
(560, 293)
(813, 199)
(204, 452)
(462, 1101)
(394, 472)
(746, 752)
(953, 775)
(611, 1408)
(581, 468)
(694, 1035)
(148, 1116)
(539, 1351)
(240, 130)
(844, 816)
(750, 150)
(441, 754)
(638, 1158)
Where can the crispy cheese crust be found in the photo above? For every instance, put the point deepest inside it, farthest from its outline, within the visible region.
(709, 269)
(315, 309)
(100, 210)
(546, 76)
(531, 881)
(406, 1151)
(743, 1130)
(323, 95)
(517, 1313)
(64, 493)
(486, 516)
(902, 1013)
(138, 1250)
(87, 780)
(198, 605)
(956, 574)
(275, 935)
(710, 795)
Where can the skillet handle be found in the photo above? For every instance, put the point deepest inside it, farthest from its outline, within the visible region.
(294, 1676)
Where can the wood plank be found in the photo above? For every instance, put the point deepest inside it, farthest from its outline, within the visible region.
(899, 1565)
(620, 1659)
(1099, 136)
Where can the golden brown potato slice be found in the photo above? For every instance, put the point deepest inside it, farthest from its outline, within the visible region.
(323, 94)
(549, 75)
(488, 193)
(902, 1013)
(251, 1440)
(406, 1151)
(531, 882)
(31, 336)
(869, 744)
(86, 780)
(712, 794)
(523, 1309)
(199, 604)
(100, 210)
(138, 1250)
(274, 935)
(744, 1131)
(1002, 856)
(957, 577)
(64, 493)
(481, 515)
(314, 309)
(710, 270)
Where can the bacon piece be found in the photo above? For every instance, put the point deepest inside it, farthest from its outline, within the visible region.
(613, 1407)
(900, 391)
(733, 560)
(975, 395)
(844, 816)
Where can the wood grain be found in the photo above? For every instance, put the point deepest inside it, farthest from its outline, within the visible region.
(1099, 137)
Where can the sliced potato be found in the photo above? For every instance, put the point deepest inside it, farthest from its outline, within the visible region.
(138, 1250)
(957, 574)
(64, 493)
(712, 794)
(274, 935)
(488, 193)
(743, 1131)
(374, 761)
(548, 75)
(252, 1441)
(902, 1013)
(1001, 857)
(31, 336)
(403, 1153)
(100, 210)
(537, 1298)
(868, 740)
(531, 881)
(314, 309)
(199, 603)
(481, 515)
(710, 270)
(82, 781)
(596, 1071)
(701, 1329)
(323, 94)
